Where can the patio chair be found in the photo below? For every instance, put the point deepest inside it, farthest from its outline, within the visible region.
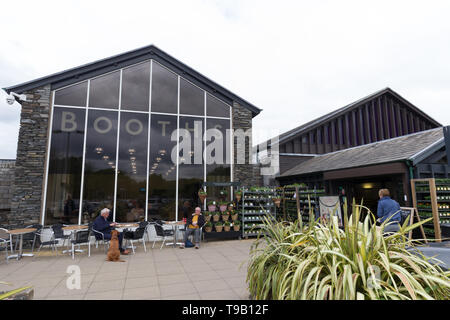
(137, 235)
(5, 239)
(100, 237)
(160, 232)
(47, 238)
(81, 237)
(146, 225)
(59, 234)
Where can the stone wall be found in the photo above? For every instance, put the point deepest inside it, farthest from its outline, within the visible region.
(248, 173)
(6, 188)
(30, 160)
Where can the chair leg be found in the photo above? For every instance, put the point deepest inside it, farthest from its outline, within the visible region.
(89, 249)
(162, 244)
(73, 252)
(154, 241)
(132, 246)
(143, 242)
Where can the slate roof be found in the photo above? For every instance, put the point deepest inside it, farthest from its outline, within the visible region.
(385, 151)
(89, 70)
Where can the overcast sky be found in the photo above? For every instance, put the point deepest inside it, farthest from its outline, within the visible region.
(296, 60)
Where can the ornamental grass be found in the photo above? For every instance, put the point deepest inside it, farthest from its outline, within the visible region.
(314, 261)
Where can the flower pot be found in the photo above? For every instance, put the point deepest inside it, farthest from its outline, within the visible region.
(219, 228)
(226, 228)
(238, 197)
(234, 217)
(277, 201)
(216, 217)
(225, 217)
(223, 207)
(208, 229)
(236, 228)
(202, 197)
(211, 208)
(208, 218)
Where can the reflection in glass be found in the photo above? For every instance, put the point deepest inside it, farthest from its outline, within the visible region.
(216, 108)
(64, 176)
(192, 99)
(218, 172)
(162, 171)
(136, 87)
(191, 172)
(72, 96)
(132, 176)
(104, 91)
(164, 90)
(100, 160)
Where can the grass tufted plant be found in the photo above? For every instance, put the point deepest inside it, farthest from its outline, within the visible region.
(295, 261)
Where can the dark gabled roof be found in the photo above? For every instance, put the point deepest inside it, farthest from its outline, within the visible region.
(334, 114)
(402, 148)
(80, 73)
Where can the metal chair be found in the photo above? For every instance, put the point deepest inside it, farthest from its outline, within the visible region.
(81, 237)
(99, 236)
(137, 235)
(47, 238)
(160, 232)
(5, 239)
(146, 225)
(59, 234)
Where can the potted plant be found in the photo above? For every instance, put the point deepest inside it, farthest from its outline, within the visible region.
(223, 206)
(238, 195)
(207, 215)
(208, 226)
(277, 201)
(236, 225)
(202, 195)
(234, 215)
(212, 206)
(225, 215)
(215, 216)
(226, 226)
(223, 193)
(218, 226)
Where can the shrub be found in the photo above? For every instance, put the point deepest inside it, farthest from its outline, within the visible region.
(323, 262)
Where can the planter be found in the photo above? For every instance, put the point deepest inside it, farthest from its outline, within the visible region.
(277, 201)
(223, 207)
(216, 217)
(218, 228)
(202, 197)
(234, 217)
(236, 228)
(211, 208)
(208, 229)
(225, 217)
(226, 228)
(238, 197)
(208, 218)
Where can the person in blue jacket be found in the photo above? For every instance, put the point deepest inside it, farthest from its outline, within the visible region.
(103, 225)
(388, 209)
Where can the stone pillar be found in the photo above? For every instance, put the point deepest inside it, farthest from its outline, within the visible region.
(6, 185)
(31, 156)
(248, 173)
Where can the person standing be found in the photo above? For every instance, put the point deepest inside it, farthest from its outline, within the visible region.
(388, 209)
(193, 225)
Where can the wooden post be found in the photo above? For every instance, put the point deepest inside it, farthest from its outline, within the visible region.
(434, 207)
(297, 200)
(284, 205)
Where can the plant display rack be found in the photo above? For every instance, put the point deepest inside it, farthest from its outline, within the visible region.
(298, 197)
(431, 197)
(256, 203)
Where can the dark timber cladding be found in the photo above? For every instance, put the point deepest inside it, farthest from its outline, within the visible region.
(379, 116)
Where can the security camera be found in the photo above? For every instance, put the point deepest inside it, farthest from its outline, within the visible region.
(11, 98)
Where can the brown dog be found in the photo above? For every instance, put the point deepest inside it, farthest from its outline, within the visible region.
(114, 252)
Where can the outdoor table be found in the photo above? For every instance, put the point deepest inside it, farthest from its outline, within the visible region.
(20, 233)
(175, 225)
(73, 229)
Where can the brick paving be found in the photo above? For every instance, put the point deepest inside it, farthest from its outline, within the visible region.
(216, 271)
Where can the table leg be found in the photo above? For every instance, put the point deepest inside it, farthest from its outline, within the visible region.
(19, 256)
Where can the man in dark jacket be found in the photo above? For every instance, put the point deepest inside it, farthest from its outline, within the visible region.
(388, 209)
(193, 225)
(104, 226)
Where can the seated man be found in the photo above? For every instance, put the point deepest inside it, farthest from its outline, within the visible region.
(388, 209)
(193, 225)
(104, 226)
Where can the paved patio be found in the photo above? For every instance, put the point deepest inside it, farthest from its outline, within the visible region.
(216, 271)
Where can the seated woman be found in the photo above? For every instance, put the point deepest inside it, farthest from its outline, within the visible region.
(194, 223)
(388, 209)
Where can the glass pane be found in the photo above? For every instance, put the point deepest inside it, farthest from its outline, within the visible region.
(216, 108)
(104, 91)
(216, 152)
(191, 174)
(100, 160)
(136, 87)
(192, 100)
(132, 176)
(162, 174)
(64, 176)
(164, 90)
(72, 96)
